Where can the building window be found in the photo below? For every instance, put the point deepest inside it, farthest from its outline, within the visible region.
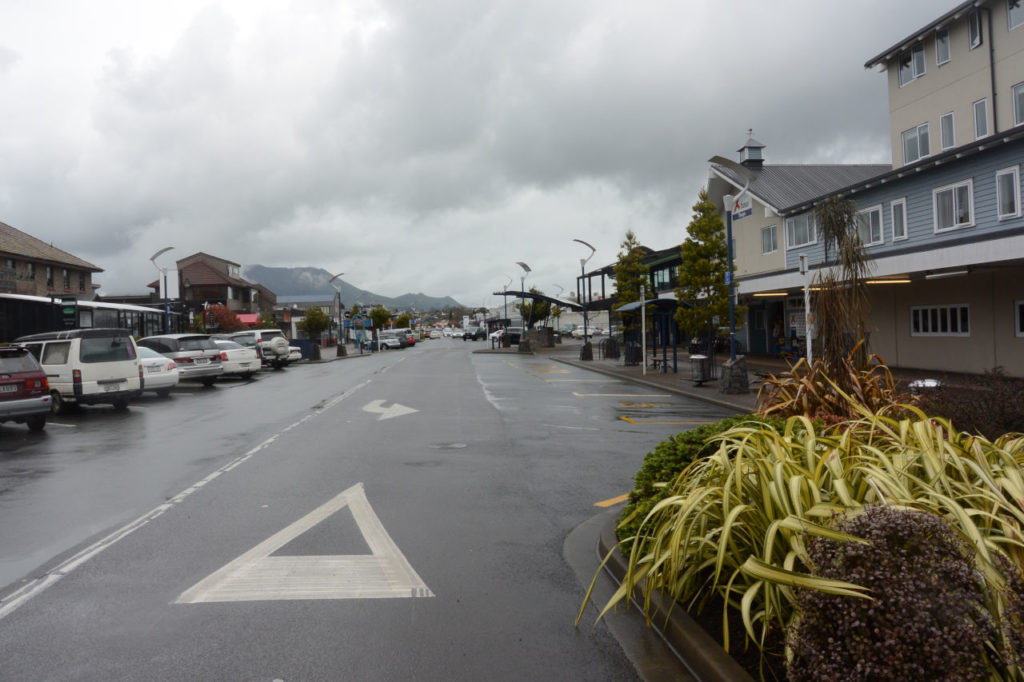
(954, 206)
(769, 239)
(940, 320)
(1018, 104)
(1015, 13)
(974, 29)
(911, 64)
(49, 276)
(800, 231)
(980, 119)
(915, 143)
(941, 46)
(67, 279)
(81, 281)
(898, 209)
(1008, 192)
(30, 270)
(869, 226)
(946, 131)
(1019, 307)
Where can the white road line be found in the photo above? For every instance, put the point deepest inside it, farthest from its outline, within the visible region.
(36, 587)
(622, 395)
(258, 576)
(576, 428)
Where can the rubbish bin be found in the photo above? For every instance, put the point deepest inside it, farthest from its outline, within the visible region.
(700, 369)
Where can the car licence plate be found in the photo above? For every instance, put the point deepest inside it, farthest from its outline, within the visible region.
(9, 388)
(110, 388)
(153, 369)
(202, 361)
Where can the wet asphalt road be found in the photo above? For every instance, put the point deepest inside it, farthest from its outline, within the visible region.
(441, 559)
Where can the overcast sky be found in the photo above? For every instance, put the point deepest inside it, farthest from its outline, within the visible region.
(419, 145)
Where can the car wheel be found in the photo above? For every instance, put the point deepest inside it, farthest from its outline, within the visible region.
(57, 404)
(208, 381)
(121, 405)
(163, 392)
(277, 364)
(36, 423)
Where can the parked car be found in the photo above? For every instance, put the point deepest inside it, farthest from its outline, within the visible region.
(387, 340)
(458, 333)
(271, 344)
(435, 334)
(497, 334)
(294, 354)
(474, 334)
(514, 333)
(238, 360)
(88, 366)
(198, 358)
(24, 390)
(160, 373)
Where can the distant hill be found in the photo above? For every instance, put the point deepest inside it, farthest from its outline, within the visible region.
(309, 281)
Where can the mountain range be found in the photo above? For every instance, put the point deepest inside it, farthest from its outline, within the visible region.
(315, 281)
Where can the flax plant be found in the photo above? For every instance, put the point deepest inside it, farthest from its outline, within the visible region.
(736, 522)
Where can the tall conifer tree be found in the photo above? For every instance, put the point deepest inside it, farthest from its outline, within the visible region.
(703, 293)
(630, 273)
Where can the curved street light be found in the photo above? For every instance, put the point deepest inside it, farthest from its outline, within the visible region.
(341, 316)
(587, 352)
(163, 271)
(522, 290)
(748, 177)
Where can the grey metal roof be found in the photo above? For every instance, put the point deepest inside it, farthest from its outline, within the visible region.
(17, 243)
(946, 19)
(783, 186)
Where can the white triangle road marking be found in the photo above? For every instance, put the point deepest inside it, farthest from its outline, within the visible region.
(258, 576)
(395, 410)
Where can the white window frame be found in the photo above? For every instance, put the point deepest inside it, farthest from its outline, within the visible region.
(901, 204)
(1009, 15)
(867, 213)
(917, 64)
(812, 231)
(916, 130)
(1018, 307)
(940, 320)
(1015, 172)
(1018, 99)
(974, 35)
(969, 184)
(951, 142)
(981, 122)
(939, 34)
(774, 232)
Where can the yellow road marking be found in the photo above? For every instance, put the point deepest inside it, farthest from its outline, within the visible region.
(613, 501)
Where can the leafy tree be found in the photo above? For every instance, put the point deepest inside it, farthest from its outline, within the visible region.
(224, 318)
(702, 274)
(314, 323)
(354, 310)
(841, 297)
(630, 273)
(533, 311)
(380, 316)
(556, 313)
(403, 320)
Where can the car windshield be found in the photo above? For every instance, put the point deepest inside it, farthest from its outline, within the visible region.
(12, 362)
(146, 352)
(107, 349)
(229, 345)
(197, 343)
(272, 335)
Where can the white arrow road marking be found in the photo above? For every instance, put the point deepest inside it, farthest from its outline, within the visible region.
(258, 576)
(396, 410)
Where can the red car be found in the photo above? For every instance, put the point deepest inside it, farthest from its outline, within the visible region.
(24, 390)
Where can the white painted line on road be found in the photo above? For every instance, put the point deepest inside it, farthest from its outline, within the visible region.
(63, 426)
(396, 410)
(34, 588)
(258, 576)
(575, 428)
(583, 381)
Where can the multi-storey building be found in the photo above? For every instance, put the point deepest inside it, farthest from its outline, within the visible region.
(943, 224)
(203, 278)
(33, 267)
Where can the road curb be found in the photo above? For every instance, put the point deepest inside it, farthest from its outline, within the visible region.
(699, 652)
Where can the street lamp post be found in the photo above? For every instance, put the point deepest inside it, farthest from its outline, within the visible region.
(341, 352)
(504, 298)
(524, 341)
(731, 203)
(163, 271)
(587, 352)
